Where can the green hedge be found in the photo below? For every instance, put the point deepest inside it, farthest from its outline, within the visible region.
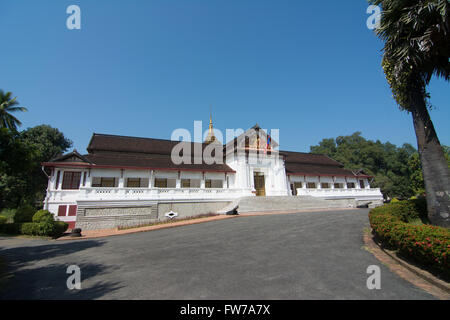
(43, 225)
(429, 245)
(3, 220)
(41, 215)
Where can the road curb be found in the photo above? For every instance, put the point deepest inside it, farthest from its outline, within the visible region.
(423, 274)
(114, 232)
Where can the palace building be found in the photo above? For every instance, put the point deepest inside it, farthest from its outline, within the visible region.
(127, 181)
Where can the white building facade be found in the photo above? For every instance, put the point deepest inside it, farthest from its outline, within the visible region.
(130, 181)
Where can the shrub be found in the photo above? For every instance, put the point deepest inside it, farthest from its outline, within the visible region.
(429, 245)
(41, 215)
(24, 214)
(60, 228)
(47, 226)
(3, 220)
(29, 228)
(406, 211)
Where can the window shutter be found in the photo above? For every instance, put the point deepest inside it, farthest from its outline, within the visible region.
(62, 211)
(72, 210)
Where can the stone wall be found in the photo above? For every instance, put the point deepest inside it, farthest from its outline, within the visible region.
(189, 209)
(95, 216)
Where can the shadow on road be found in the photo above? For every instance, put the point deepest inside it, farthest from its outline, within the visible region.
(31, 273)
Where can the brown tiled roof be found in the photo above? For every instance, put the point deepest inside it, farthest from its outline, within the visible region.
(112, 143)
(293, 168)
(146, 153)
(109, 151)
(151, 162)
(300, 157)
(298, 163)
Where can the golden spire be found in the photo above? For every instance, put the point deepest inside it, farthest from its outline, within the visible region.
(211, 137)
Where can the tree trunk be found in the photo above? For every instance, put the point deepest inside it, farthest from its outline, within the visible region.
(435, 170)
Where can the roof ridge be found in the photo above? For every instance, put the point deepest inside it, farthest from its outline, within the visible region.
(143, 138)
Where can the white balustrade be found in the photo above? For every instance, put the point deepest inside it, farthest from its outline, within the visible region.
(102, 193)
(341, 193)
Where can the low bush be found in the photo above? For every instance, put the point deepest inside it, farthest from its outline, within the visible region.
(3, 220)
(61, 227)
(41, 215)
(429, 245)
(407, 210)
(24, 214)
(47, 226)
(44, 225)
(29, 228)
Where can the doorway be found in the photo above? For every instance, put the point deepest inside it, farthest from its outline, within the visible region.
(260, 184)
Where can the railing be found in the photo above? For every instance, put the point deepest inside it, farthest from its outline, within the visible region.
(98, 193)
(337, 193)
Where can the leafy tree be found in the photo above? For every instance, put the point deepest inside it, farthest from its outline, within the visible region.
(16, 163)
(387, 163)
(417, 46)
(21, 154)
(46, 143)
(7, 107)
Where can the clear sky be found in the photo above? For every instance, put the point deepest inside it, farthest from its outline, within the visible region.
(144, 68)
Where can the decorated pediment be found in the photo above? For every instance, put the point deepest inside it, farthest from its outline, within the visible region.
(255, 138)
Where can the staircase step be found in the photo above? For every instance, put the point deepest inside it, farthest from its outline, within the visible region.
(284, 203)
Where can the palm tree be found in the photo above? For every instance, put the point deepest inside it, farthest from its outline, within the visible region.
(7, 106)
(417, 46)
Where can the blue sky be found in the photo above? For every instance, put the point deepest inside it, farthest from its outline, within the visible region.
(144, 68)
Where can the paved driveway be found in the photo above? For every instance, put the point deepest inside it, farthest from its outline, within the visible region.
(316, 255)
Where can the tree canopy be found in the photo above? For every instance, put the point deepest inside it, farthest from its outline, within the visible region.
(8, 106)
(21, 155)
(396, 170)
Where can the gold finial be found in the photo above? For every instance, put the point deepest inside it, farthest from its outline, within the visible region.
(211, 137)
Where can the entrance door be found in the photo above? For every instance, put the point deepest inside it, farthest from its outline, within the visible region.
(260, 184)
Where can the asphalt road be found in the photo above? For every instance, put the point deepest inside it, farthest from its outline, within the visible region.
(316, 255)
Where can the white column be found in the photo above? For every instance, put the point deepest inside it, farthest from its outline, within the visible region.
(202, 181)
(178, 182)
(61, 176)
(150, 179)
(88, 180)
(121, 179)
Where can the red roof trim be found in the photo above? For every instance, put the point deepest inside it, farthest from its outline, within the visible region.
(80, 165)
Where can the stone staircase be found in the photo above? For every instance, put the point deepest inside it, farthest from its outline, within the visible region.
(292, 203)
